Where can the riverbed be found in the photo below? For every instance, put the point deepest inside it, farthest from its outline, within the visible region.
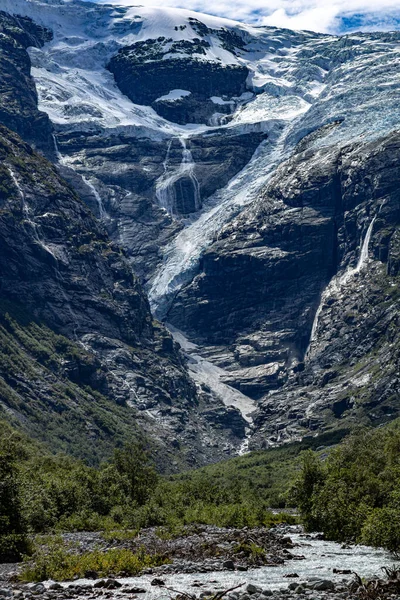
(314, 558)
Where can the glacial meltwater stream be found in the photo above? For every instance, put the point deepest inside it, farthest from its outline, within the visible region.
(316, 559)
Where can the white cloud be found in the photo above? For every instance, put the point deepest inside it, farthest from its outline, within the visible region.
(315, 15)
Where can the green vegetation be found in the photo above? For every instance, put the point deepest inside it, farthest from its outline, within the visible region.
(13, 539)
(60, 563)
(54, 387)
(53, 494)
(354, 495)
(351, 492)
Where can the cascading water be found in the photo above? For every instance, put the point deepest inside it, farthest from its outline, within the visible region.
(170, 192)
(337, 282)
(311, 558)
(182, 256)
(27, 216)
(363, 258)
(102, 212)
(58, 153)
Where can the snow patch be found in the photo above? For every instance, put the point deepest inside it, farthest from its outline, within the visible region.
(174, 95)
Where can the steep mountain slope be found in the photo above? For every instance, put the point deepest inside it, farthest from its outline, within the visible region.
(250, 175)
(19, 110)
(61, 277)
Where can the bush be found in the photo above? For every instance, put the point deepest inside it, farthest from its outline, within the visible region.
(382, 528)
(355, 494)
(61, 564)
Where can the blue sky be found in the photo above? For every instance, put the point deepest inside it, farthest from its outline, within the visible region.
(334, 16)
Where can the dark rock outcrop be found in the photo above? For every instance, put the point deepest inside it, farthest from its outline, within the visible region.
(260, 284)
(18, 97)
(148, 71)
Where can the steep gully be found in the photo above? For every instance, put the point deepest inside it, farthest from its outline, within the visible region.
(334, 286)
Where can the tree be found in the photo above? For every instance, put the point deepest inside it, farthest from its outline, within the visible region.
(140, 477)
(307, 484)
(13, 540)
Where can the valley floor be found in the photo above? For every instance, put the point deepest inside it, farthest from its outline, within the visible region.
(207, 561)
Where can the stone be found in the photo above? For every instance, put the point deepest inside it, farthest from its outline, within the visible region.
(252, 589)
(91, 575)
(38, 588)
(229, 564)
(323, 585)
(159, 582)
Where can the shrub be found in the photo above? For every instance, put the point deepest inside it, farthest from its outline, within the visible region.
(60, 563)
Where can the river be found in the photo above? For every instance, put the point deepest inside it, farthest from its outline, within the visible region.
(320, 559)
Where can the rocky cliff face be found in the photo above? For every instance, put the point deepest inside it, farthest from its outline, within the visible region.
(249, 177)
(18, 97)
(321, 291)
(147, 72)
(86, 354)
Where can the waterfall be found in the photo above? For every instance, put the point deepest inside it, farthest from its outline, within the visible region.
(27, 215)
(102, 212)
(166, 160)
(58, 153)
(363, 258)
(337, 281)
(182, 255)
(166, 193)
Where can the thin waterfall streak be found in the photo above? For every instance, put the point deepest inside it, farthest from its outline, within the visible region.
(102, 211)
(166, 160)
(39, 240)
(363, 258)
(338, 281)
(58, 153)
(365, 247)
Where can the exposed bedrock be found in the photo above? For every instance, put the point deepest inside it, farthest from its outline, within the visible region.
(147, 72)
(260, 283)
(57, 261)
(132, 175)
(18, 97)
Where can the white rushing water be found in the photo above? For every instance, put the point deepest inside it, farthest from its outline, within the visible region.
(166, 185)
(102, 211)
(320, 558)
(37, 236)
(57, 150)
(182, 255)
(204, 372)
(27, 216)
(338, 281)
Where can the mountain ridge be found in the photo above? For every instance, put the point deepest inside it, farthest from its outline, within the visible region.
(237, 204)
